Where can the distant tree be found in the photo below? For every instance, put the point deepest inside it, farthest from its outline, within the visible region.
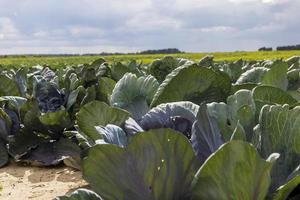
(265, 49)
(288, 48)
(162, 51)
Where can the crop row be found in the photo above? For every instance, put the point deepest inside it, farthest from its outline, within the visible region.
(174, 129)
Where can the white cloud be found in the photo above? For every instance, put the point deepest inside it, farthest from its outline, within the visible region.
(259, 1)
(83, 31)
(218, 29)
(8, 29)
(268, 1)
(276, 1)
(243, 1)
(40, 34)
(145, 22)
(130, 25)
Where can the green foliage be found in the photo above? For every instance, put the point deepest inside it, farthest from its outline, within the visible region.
(98, 113)
(280, 132)
(165, 128)
(240, 108)
(277, 75)
(151, 167)
(134, 94)
(63, 61)
(193, 83)
(235, 171)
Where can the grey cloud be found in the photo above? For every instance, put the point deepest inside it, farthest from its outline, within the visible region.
(54, 26)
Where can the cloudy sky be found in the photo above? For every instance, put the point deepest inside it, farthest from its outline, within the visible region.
(82, 26)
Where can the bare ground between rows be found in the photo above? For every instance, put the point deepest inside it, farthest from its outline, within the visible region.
(22, 182)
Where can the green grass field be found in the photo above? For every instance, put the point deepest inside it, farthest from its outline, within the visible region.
(219, 56)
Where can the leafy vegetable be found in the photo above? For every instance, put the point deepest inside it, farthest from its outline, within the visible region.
(206, 136)
(151, 167)
(171, 129)
(81, 194)
(203, 85)
(99, 113)
(264, 95)
(277, 75)
(240, 108)
(178, 116)
(279, 128)
(253, 75)
(134, 94)
(160, 68)
(235, 171)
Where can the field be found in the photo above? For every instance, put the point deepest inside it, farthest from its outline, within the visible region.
(172, 129)
(74, 60)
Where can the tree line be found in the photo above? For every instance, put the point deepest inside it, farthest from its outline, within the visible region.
(154, 51)
(281, 48)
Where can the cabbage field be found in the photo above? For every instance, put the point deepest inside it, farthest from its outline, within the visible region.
(172, 129)
(62, 61)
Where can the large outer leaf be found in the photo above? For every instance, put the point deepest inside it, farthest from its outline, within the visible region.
(43, 155)
(206, 61)
(240, 107)
(3, 154)
(5, 125)
(98, 113)
(60, 119)
(48, 74)
(295, 94)
(245, 86)
(178, 115)
(88, 75)
(131, 127)
(118, 69)
(81, 194)
(8, 86)
(233, 69)
(293, 60)
(105, 88)
(285, 190)
(271, 95)
(253, 75)
(23, 142)
(50, 124)
(160, 68)
(13, 102)
(235, 171)
(73, 97)
(52, 153)
(21, 80)
(90, 95)
(277, 75)
(30, 114)
(112, 134)
(47, 95)
(206, 136)
(193, 83)
(243, 109)
(293, 77)
(134, 94)
(71, 81)
(15, 122)
(158, 164)
(280, 132)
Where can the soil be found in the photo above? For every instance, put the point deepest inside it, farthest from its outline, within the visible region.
(21, 182)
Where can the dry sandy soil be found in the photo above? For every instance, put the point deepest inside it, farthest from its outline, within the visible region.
(21, 182)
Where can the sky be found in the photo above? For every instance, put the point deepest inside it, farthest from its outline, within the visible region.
(93, 26)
